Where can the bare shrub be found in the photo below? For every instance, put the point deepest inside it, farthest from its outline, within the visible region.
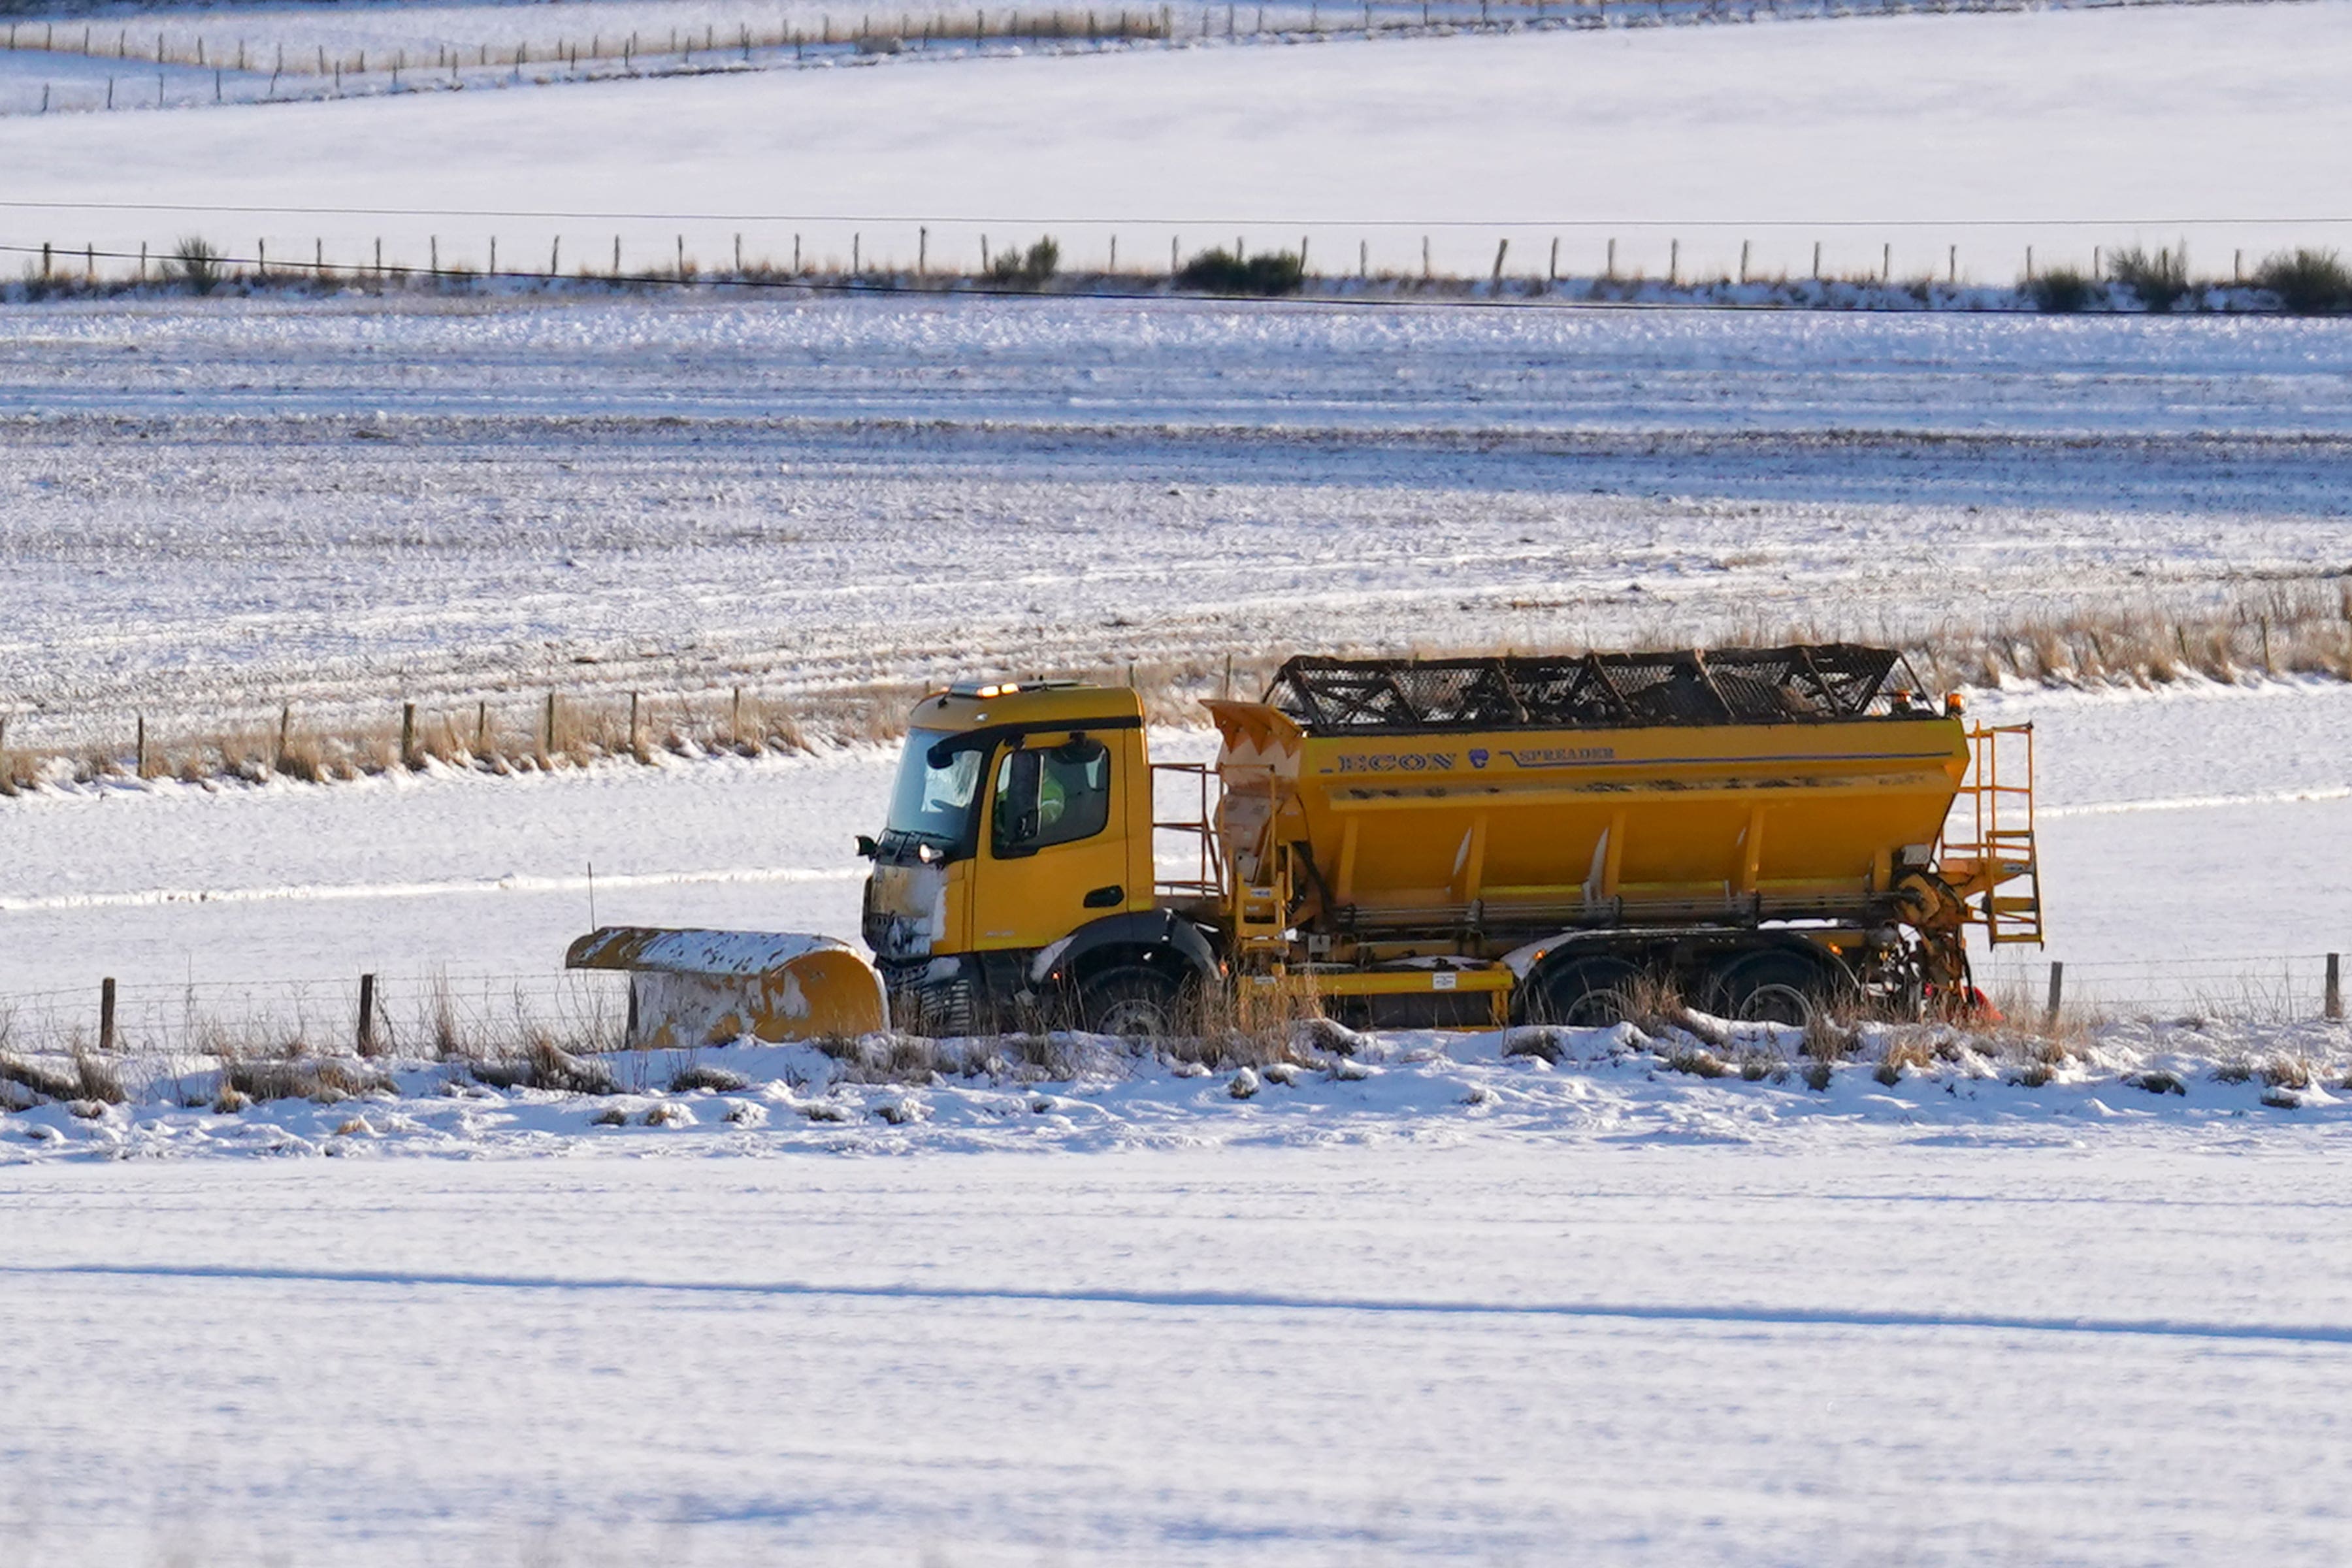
(2061, 291)
(2157, 280)
(196, 264)
(2308, 281)
(1030, 268)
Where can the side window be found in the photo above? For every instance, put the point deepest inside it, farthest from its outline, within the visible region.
(1049, 797)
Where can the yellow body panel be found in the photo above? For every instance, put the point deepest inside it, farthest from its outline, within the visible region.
(1677, 818)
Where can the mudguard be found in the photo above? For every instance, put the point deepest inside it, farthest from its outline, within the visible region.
(1144, 930)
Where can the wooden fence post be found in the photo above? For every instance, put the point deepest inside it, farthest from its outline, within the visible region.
(285, 722)
(408, 734)
(2335, 1002)
(636, 735)
(106, 1014)
(142, 759)
(547, 730)
(1502, 248)
(2057, 990)
(364, 1039)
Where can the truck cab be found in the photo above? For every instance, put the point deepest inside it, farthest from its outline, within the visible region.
(1013, 879)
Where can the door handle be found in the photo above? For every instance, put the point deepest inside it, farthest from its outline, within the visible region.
(1107, 898)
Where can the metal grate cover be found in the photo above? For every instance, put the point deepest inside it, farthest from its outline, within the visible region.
(1827, 683)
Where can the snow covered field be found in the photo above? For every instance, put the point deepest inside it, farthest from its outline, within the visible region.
(2041, 126)
(210, 510)
(2090, 1343)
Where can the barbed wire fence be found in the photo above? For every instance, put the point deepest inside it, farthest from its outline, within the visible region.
(466, 1014)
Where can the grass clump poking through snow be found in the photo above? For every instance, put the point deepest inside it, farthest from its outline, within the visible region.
(1031, 268)
(2157, 280)
(1229, 272)
(2061, 291)
(197, 265)
(2308, 283)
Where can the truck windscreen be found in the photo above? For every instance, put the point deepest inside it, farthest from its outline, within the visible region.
(935, 803)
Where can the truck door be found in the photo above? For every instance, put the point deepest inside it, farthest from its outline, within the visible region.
(1054, 854)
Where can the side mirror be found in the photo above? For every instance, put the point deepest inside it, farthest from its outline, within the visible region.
(866, 847)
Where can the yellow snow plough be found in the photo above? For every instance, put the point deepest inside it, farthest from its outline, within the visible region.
(1441, 842)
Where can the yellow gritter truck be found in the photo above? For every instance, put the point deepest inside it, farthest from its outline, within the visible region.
(1459, 843)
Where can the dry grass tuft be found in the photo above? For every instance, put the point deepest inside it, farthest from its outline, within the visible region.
(703, 1076)
(1697, 1061)
(49, 1082)
(97, 1079)
(2287, 1072)
(325, 1081)
(545, 1065)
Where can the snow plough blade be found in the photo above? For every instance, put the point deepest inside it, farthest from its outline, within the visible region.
(709, 987)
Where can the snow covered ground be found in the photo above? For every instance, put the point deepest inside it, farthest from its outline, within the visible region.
(1782, 135)
(209, 510)
(2089, 1344)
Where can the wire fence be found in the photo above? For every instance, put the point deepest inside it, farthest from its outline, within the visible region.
(165, 64)
(439, 1014)
(2249, 988)
(445, 1014)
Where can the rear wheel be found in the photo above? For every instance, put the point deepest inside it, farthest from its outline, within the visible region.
(1586, 993)
(1774, 987)
(1132, 1003)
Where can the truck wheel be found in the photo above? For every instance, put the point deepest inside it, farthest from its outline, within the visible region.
(1773, 987)
(1131, 1003)
(1586, 993)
